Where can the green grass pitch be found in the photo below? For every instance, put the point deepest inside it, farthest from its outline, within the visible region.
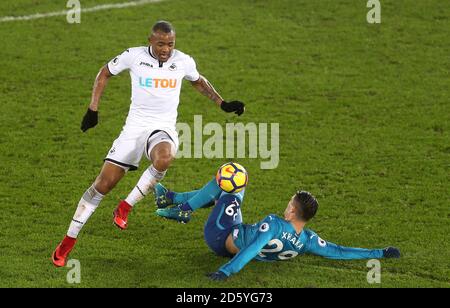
(364, 116)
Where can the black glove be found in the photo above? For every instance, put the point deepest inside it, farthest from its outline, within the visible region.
(235, 106)
(90, 119)
(217, 276)
(391, 252)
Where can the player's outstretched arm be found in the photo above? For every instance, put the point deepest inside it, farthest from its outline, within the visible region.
(319, 247)
(204, 87)
(238, 261)
(245, 255)
(90, 119)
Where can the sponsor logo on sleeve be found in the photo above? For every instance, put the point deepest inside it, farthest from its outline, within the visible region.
(264, 227)
(321, 242)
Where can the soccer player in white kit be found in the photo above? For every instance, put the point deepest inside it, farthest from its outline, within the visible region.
(157, 72)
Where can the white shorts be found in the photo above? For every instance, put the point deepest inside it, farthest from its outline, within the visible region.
(128, 148)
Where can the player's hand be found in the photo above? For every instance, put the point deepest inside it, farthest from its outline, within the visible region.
(235, 106)
(391, 252)
(90, 119)
(217, 276)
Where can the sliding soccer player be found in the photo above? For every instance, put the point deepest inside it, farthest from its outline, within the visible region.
(157, 72)
(272, 239)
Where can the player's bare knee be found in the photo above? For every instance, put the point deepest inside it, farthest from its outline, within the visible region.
(162, 162)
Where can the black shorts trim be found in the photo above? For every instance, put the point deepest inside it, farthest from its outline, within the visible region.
(107, 66)
(151, 135)
(132, 168)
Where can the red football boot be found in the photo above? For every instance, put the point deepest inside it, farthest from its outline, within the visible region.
(121, 215)
(62, 251)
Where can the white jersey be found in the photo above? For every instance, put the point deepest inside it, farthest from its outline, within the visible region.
(155, 86)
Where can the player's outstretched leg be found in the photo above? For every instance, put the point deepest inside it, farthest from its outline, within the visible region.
(105, 182)
(224, 216)
(162, 157)
(165, 197)
(204, 197)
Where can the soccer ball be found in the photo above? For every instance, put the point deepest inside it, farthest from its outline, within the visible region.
(232, 177)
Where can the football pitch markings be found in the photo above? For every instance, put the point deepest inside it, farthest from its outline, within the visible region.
(86, 10)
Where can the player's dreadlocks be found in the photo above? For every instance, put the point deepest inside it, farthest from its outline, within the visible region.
(306, 204)
(163, 26)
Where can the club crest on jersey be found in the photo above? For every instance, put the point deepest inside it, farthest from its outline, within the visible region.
(173, 67)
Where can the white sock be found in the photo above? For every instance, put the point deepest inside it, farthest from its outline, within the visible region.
(148, 180)
(86, 207)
